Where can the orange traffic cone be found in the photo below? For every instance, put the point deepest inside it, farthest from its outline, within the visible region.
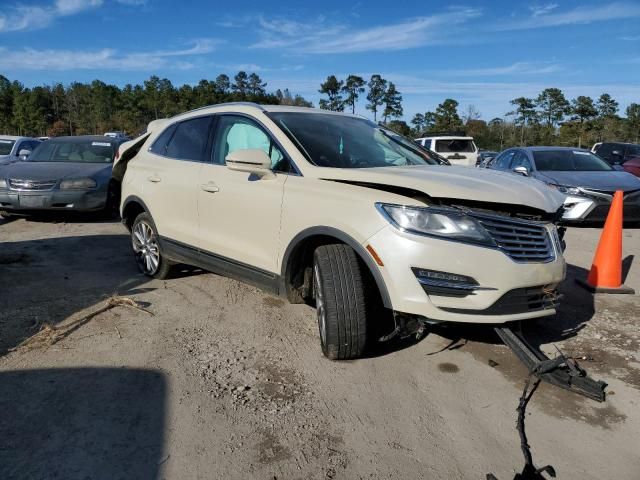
(606, 271)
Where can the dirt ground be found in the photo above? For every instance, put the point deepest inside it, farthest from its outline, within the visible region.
(223, 381)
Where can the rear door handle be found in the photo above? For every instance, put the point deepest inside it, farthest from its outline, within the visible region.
(210, 187)
(154, 178)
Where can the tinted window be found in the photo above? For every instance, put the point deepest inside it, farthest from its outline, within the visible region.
(340, 141)
(455, 146)
(160, 145)
(521, 160)
(190, 139)
(240, 133)
(568, 161)
(86, 151)
(503, 161)
(632, 151)
(6, 146)
(605, 150)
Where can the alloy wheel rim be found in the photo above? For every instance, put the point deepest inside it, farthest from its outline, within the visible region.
(145, 247)
(320, 308)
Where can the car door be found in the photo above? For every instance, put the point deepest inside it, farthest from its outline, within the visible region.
(239, 213)
(170, 173)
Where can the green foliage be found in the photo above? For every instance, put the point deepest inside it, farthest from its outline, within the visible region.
(377, 91)
(399, 126)
(352, 88)
(552, 105)
(332, 88)
(446, 118)
(97, 107)
(392, 103)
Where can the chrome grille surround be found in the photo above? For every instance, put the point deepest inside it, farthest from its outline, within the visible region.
(31, 185)
(522, 240)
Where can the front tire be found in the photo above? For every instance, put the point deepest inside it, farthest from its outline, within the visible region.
(340, 291)
(146, 248)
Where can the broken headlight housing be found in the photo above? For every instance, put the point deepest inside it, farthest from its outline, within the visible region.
(444, 223)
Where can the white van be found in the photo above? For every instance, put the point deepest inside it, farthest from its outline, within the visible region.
(458, 150)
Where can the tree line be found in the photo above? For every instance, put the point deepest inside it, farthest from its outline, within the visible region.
(97, 107)
(87, 108)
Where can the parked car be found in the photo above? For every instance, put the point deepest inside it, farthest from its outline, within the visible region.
(458, 150)
(485, 156)
(64, 173)
(334, 210)
(12, 148)
(118, 135)
(617, 153)
(588, 181)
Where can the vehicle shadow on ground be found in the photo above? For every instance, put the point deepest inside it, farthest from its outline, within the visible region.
(45, 281)
(575, 311)
(78, 423)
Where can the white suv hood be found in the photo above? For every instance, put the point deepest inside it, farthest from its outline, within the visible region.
(455, 182)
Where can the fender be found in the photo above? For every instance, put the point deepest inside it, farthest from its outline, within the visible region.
(343, 237)
(136, 199)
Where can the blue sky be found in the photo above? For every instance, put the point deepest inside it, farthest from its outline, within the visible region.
(480, 53)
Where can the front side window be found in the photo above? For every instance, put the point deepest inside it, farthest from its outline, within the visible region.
(569, 161)
(87, 151)
(6, 146)
(504, 160)
(340, 141)
(240, 133)
(190, 139)
(521, 160)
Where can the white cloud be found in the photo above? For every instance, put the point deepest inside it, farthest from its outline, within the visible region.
(320, 36)
(518, 68)
(537, 10)
(631, 38)
(32, 17)
(583, 14)
(103, 59)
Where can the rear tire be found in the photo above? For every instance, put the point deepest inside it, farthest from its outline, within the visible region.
(340, 291)
(146, 248)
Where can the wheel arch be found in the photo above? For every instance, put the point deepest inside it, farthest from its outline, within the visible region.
(299, 253)
(131, 208)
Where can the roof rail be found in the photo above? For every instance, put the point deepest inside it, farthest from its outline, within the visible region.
(246, 104)
(458, 133)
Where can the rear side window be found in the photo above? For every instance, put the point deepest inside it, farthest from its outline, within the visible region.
(455, 146)
(160, 145)
(190, 139)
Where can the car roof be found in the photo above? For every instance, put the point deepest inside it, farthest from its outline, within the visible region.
(446, 137)
(84, 138)
(232, 106)
(15, 137)
(548, 149)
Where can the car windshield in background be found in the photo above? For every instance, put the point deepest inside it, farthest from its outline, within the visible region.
(347, 142)
(89, 151)
(6, 146)
(454, 146)
(569, 161)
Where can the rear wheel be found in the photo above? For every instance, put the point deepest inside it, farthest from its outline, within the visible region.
(340, 291)
(146, 248)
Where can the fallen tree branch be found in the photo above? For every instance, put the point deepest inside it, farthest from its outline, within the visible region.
(52, 334)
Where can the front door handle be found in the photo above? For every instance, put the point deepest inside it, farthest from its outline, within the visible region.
(210, 187)
(154, 178)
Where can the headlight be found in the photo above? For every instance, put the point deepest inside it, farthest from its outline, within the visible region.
(437, 222)
(78, 184)
(566, 189)
(3, 184)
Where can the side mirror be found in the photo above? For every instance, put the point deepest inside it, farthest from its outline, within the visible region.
(522, 171)
(24, 153)
(250, 161)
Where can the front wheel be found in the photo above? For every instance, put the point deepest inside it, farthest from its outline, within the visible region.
(146, 248)
(340, 291)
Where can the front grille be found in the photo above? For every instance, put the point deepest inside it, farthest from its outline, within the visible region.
(521, 240)
(31, 185)
(518, 300)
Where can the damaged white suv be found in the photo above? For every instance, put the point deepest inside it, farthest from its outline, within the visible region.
(334, 210)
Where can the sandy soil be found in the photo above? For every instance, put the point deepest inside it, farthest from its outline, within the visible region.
(223, 381)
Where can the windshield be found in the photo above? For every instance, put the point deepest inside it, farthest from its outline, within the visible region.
(88, 151)
(348, 142)
(569, 161)
(6, 146)
(455, 146)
